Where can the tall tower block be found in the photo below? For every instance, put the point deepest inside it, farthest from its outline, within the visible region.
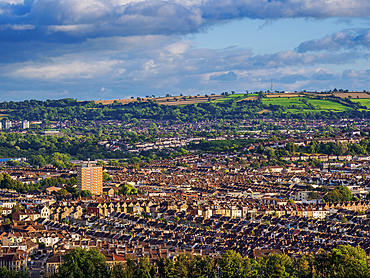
(90, 177)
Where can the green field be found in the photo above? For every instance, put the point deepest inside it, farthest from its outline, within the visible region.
(329, 105)
(230, 97)
(320, 105)
(363, 101)
(283, 101)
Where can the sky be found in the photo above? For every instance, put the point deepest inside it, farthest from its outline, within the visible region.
(117, 49)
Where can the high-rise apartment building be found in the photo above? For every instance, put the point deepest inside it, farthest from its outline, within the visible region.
(90, 177)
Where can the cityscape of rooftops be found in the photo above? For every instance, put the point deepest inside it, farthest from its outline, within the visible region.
(198, 138)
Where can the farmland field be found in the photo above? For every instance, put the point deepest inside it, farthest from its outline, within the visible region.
(110, 101)
(328, 105)
(230, 97)
(175, 100)
(282, 95)
(353, 95)
(319, 104)
(283, 101)
(192, 100)
(295, 102)
(363, 101)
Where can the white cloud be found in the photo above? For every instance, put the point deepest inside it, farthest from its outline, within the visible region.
(77, 28)
(138, 44)
(339, 40)
(13, 2)
(21, 27)
(60, 70)
(101, 18)
(179, 47)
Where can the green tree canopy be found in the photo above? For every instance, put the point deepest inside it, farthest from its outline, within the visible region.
(80, 263)
(339, 194)
(127, 189)
(85, 193)
(106, 177)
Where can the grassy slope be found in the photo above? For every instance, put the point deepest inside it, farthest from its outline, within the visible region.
(230, 97)
(363, 101)
(321, 105)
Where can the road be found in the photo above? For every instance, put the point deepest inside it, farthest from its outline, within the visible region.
(37, 267)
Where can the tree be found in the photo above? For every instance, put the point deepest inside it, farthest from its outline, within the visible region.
(231, 264)
(270, 153)
(37, 160)
(12, 162)
(205, 267)
(277, 266)
(4, 273)
(261, 94)
(176, 219)
(339, 194)
(345, 261)
(315, 162)
(61, 192)
(255, 165)
(153, 127)
(60, 160)
(313, 195)
(260, 149)
(113, 162)
(82, 263)
(144, 268)
(106, 177)
(291, 147)
(134, 160)
(344, 220)
(305, 266)
(17, 207)
(85, 193)
(127, 189)
(346, 193)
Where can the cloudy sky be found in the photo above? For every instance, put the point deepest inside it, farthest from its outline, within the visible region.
(105, 49)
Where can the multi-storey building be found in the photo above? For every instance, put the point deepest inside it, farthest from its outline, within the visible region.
(8, 124)
(90, 177)
(25, 124)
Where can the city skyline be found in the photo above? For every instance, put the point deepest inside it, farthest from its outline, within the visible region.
(119, 49)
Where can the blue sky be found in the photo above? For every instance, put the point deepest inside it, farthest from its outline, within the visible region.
(105, 49)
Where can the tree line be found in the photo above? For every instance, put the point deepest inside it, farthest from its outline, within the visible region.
(6, 182)
(70, 109)
(42, 150)
(344, 261)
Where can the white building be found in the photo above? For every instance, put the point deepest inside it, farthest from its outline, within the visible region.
(26, 124)
(8, 124)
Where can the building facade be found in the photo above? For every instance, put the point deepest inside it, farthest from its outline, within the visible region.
(25, 124)
(8, 124)
(90, 177)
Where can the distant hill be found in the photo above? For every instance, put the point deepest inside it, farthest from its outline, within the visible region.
(303, 105)
(175, 100)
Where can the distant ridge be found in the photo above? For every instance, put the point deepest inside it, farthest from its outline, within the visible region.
(174, 100)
